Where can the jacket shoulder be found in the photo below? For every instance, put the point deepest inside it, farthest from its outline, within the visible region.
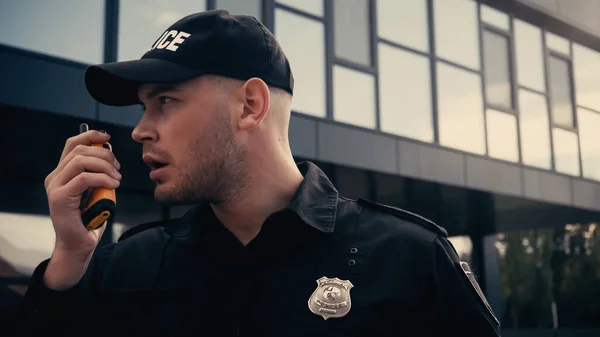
(404, 215)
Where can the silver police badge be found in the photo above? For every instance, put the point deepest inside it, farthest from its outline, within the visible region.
(331, 298)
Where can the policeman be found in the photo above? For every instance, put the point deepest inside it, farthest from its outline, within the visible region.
(269, 248)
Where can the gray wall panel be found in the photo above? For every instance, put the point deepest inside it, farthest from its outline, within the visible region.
(555, 188)
(586, 194)
(302, 133)
(531, 184)
(126, 116)
(357, 148)
(35, 83)
(493, 176)
(442, 166)
(408, 156)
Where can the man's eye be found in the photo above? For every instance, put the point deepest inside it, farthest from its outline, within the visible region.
(164, 99)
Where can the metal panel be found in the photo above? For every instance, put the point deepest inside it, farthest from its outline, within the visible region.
(126, 116)
(531, 184)
(408, 155)
(555, 188)
(302, 134)
(442, 165)
(357, 148)
(494, 176)
(38, 83)
(586, 194)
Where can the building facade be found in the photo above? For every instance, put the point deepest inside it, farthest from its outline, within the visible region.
(483, 116)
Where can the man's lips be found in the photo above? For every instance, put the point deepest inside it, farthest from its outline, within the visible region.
(153, 162)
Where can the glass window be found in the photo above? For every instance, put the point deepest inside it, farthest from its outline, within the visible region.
(557, 43)
(141, 23)
(26, 240)
(496, 66)
(310, 6)
(502, 135)
(70, 29)
(589, 125)
(296, 35)
(351, 29)
(246, 7)
(405, 93)
(560, 91)
(586, 64)
(456, 31)
(529, 56)
(540, 268)
(460, 109)
(353, 97)
(535, 129)
(495, 17)
(404, 22)
(566, 151)
(463, 246)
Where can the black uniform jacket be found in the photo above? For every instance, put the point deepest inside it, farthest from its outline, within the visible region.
(322, 266)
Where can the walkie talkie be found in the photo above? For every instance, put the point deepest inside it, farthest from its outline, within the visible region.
(97, 203)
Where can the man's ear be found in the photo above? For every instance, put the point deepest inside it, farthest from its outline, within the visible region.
(256, 99)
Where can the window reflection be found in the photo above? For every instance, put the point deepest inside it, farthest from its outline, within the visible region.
(404, 22)
(353, 97)
(539, 267)
(351, 29)
(557, 43)
(495, 17)
(70, 29)
(534, 127)
(566, 151)
(586, 65)
(463, 246)
(297, 35)
(25, 241)
(502, 135)
(589, 125)
(405, 93)
(529, 56)
(456, 31)
(246, 7)
(560, 91)
(314, 7)
(496, 68)
(460, 109)
(141, 23)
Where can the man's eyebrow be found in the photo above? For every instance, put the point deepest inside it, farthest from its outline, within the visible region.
(161, 88)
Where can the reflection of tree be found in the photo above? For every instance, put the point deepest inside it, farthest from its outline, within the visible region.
(526, 278)
(576, 265)
(544, 265)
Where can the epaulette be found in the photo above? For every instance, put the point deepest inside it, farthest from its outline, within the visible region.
(406, 215)
(140, 228)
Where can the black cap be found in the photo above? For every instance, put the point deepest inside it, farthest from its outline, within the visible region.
(212, 42)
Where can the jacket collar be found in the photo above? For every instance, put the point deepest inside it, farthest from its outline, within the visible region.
(315, 202)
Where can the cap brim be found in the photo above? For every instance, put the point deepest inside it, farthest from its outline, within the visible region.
(117, 83)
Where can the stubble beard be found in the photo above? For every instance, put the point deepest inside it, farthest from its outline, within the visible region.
(213, 171)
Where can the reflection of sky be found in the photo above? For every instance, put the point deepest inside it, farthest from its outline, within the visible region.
(535, 137)
(25, 240)
(463, 246)
(529, 57)
(586, 63)
(142, 22)
(303, 41)
(71, 29)
(589, 124)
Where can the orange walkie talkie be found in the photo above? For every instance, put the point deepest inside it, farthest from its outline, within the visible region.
(98, 203)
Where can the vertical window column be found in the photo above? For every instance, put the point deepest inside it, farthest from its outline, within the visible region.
(501, 117)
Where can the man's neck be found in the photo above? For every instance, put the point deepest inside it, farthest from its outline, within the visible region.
(269, 190)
